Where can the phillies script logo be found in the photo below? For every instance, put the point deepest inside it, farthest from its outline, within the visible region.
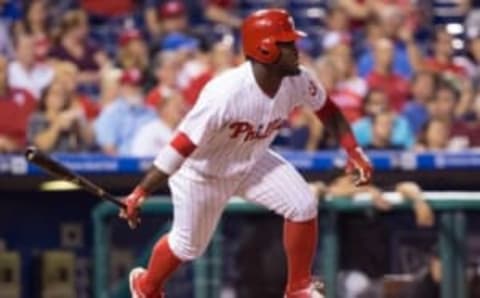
(249, 133)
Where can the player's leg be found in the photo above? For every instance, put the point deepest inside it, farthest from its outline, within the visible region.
(197, 208)
(275, 184)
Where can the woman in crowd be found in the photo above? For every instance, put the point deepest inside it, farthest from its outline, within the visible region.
(57, 125)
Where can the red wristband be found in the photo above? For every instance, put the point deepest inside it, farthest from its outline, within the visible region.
(348, 142)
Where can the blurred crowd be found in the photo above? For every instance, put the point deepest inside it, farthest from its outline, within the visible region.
(403, 82)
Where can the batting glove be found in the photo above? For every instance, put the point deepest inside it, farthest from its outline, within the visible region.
(133, 202)
(359, 165)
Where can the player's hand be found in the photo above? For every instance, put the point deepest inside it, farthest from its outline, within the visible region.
(133, 202)
(359, 166)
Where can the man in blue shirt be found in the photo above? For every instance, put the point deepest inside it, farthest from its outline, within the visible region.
(118, 123)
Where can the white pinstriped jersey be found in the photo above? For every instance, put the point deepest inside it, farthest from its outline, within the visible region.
(234, 121)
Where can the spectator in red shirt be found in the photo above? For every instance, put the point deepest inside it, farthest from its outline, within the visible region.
(167, 66)
(16, 105)
(442, 59)
(349, 89)
(383, 78)
(221, 58)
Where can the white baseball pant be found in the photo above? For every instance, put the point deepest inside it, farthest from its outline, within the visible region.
(198, 205)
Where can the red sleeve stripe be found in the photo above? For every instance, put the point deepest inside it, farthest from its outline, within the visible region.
(182, 143)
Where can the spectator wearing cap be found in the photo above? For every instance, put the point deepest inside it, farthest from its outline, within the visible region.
(377, 102)
(167, 66)
(165, 19)
(73, 45)
(155, 134)
(384, 78)
(133, 52)
(16, 106)
(118, 122)
(221, 12)
(27, 73)
(423, 86)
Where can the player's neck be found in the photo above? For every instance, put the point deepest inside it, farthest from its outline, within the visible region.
(267, 80)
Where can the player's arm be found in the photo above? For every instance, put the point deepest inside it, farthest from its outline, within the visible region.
(335, 122)
(168, 161)
(194, 131)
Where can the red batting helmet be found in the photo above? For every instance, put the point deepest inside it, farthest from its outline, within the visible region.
(263, 29)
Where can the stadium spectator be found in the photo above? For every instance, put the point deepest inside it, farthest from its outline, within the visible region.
(73, 45)
(220, 59)
(444, 104)
(350, 89)
(152, 136)
(471, 61)
(435, 136)
(442, 60)
(27, 73)
(168, 18)
(221, 12)
(109, 85)
(16, 105)
(66, 74)
(167, 66)
(383, 77)
(422, 89)
(118, 122)
(406, 57)
(382, 128)
(376, 102)
(337, 21)
(58, 126)
(132, 51)
(37, 24)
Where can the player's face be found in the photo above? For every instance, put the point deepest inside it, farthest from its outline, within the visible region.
(288, 62)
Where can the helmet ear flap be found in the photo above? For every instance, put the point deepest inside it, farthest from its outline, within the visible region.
(268, 50)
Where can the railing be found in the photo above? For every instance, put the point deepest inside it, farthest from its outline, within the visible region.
(451, 231)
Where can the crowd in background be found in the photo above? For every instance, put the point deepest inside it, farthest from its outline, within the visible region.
(402, 82)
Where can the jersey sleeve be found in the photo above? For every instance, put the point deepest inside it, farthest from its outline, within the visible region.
(203, 120)
(312, 93)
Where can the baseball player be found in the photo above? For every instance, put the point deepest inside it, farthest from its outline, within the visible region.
(221, 149)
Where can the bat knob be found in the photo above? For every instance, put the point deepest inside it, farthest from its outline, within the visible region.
(30, 152)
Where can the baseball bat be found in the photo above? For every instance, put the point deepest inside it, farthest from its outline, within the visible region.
(56, 169)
